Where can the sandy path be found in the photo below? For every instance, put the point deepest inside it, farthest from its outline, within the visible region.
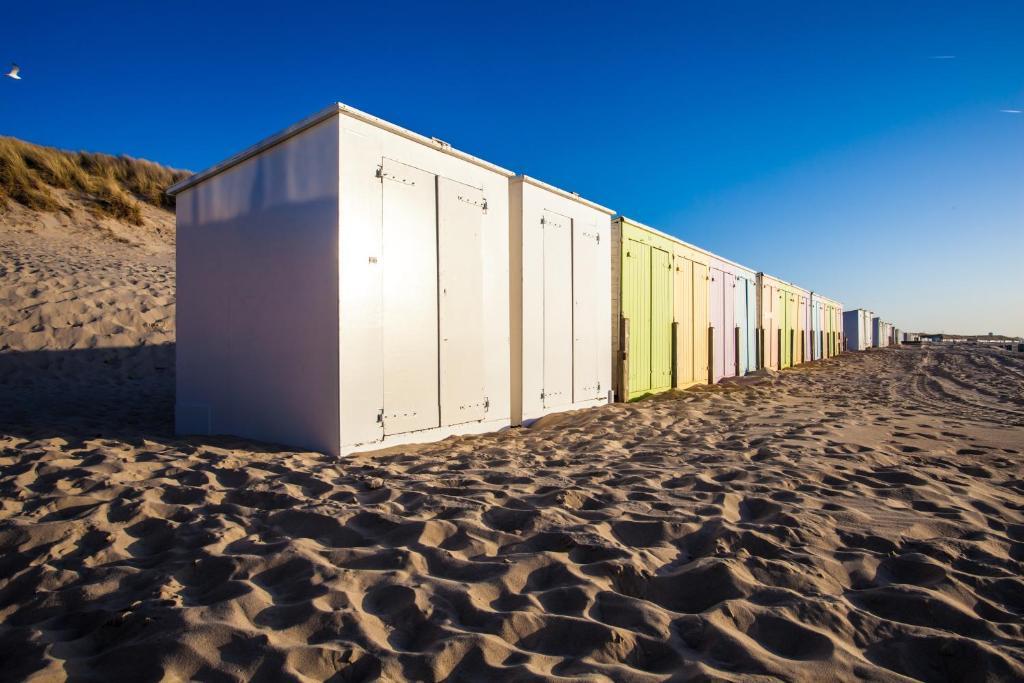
(859, 518)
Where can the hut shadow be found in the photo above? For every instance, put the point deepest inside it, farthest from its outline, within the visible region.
(79, 394)
(124, 393)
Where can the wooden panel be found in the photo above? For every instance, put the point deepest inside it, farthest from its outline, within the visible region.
(460, 211)
(409, 292)
(558, 318)
(636, 307)
(661, 319)
(717, 319)
(587, 321)
(701, 280)
(684, 319)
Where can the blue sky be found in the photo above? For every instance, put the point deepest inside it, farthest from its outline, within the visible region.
(820, 142)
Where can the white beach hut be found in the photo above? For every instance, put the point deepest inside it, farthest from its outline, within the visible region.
(343, 285)
(561, 300)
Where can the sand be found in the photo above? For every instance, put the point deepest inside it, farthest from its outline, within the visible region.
(860, 518)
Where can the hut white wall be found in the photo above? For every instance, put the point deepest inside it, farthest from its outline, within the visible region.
(561, 349)
(376, 260)
(257, 297)
(857, 326)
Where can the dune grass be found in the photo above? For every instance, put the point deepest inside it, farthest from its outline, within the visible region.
(109, 185)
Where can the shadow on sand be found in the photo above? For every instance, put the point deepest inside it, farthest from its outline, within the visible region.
(86, 393)
(124, 393)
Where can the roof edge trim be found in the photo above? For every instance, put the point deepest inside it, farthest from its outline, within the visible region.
(529, 180)
(675, 239)
(333, 110)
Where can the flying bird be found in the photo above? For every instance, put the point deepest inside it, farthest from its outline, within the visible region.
(13, 73)
(1012, 111)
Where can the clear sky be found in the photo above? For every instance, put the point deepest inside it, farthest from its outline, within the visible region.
(855, 148)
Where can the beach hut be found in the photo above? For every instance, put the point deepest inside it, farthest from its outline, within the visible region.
(857, 329)
(853, 339)
(660, 324)
(733, 317)
(826, 324)
(560, 303)
(343, 285)
(784, 313)
(879, 338)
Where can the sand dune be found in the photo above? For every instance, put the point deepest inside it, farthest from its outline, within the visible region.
(857, 518)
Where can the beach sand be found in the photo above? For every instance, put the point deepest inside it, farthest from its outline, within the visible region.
(856, 518)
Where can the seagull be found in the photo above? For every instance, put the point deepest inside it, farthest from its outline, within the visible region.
(13, 73)
(1012, 111)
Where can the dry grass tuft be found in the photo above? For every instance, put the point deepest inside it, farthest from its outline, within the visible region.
(110, 185)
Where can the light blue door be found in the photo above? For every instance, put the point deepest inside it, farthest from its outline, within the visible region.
(741, 318)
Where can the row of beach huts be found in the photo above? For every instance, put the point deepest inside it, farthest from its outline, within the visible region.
(347, 284)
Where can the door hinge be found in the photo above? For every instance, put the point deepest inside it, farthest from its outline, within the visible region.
(487, 404)
(384, 175)
(380, 417)
(469, 200)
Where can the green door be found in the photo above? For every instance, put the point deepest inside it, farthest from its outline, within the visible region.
(636, 307)
(661, 320)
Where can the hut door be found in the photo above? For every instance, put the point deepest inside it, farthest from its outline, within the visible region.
(558, 310)
(684, 316)
(661, 319)
(409, 291)
(701, 281)
(636, 307)
(728, 324)
(719, 292)
(740, 321)
(586, 322)
(460, 210)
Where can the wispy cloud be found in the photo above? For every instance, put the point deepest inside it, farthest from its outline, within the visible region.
(942, 57)
(1012, 111)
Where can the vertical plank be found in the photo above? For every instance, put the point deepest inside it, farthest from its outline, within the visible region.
(460, 302)
(409, 290)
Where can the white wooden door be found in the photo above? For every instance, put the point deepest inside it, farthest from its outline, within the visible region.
(586, 320)
(409, 291)
(558, 337)
(460, 210)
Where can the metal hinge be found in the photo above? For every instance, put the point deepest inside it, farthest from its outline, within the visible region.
(487, 404)
(382, 174)
(468, 200)
(380, 416)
